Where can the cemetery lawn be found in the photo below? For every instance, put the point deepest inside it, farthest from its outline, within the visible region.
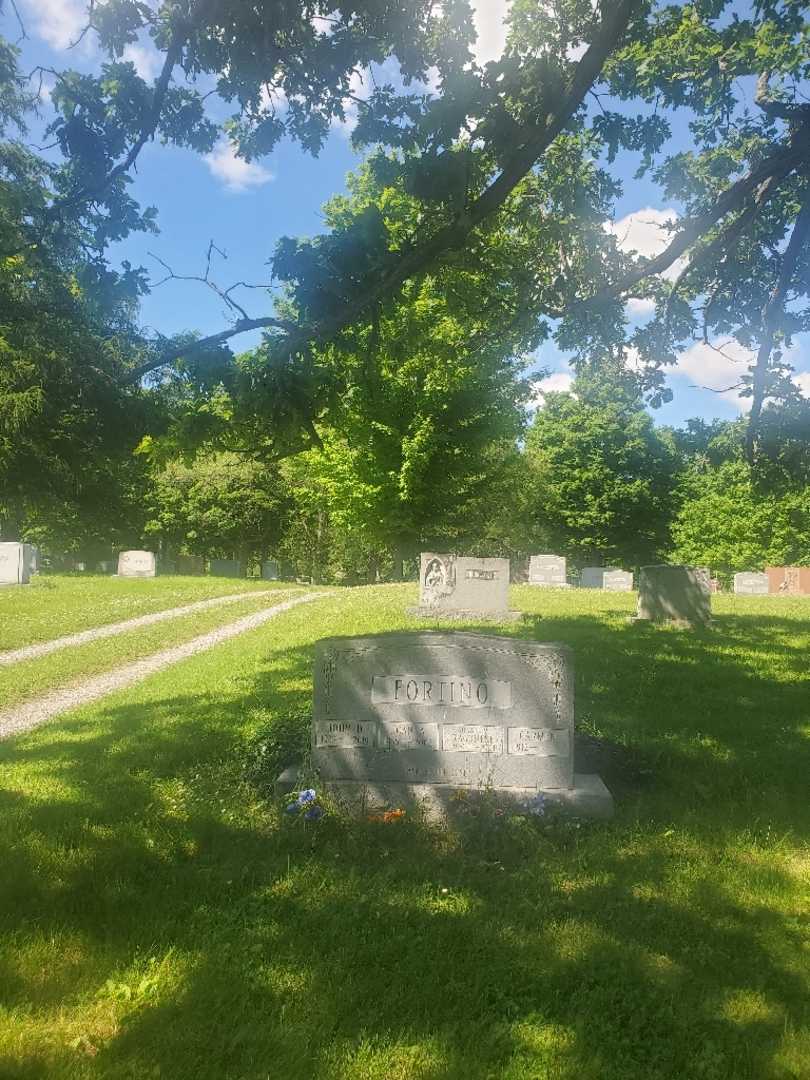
(54, 605)
(27, 679)
(160, 918)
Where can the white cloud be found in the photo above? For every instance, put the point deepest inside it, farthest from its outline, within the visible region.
(802, 380)
(718, 366)
(645, 233)
(236, 174)
(557, 382)
(490, 25)
(146, 58)
(640, 306)
(58, 22)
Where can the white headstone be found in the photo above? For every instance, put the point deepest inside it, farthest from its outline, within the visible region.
(548, 571)
(138, 564)
(15, 563)
(751, 583)
(459, 585)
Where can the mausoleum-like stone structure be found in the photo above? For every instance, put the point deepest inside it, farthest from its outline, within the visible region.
(430, 718)
(548, 571)
(462, 587)
(678, 594)
(137, 564)
(17, 563)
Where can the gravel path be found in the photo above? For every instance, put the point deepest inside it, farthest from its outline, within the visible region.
(33, 713)
(30, 652)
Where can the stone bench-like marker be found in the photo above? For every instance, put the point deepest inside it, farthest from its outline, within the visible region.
(462, 587)
(677, 594)
(17, 563)
(548, 572)
(610, 578)
(433, 719)
(788, 580)
(137, 564)
(750, 583)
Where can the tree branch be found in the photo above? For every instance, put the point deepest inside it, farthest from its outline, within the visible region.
(771, 317)
(531, 145)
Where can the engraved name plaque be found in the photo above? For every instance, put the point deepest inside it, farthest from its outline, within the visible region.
(448, 691)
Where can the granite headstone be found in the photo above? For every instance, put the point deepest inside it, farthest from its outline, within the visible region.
(417, 717)
(548, 571)
(606, 577)
(135, 564)
(458, 586)
(751, 583)
(788, 580)
(678, 594)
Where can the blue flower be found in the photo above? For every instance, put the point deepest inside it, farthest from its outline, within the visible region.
(537, 805)
(293, 808)
(315, 813)
(307, 796)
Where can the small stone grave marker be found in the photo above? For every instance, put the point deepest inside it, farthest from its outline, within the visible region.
(134, 564)
(462, 587)
(751, 583)
(548, 571)
(677, 594)
(606, 577)
(225, 568)
(420, 718)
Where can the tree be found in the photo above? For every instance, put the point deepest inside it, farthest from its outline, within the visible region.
(600, 477)
(727, 522)
(221, 506)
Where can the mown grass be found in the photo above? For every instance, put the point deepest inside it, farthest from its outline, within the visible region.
(29, 678)
(160, 919)
(54, 605)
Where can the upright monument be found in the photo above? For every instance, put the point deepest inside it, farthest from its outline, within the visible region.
(16, 563)
(678, 594)
(137, 564)
(462, 587)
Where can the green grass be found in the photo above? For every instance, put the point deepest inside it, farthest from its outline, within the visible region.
(29, 678)
(54, 605)
(159, 919)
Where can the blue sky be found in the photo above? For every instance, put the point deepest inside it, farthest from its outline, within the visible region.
(245, 208)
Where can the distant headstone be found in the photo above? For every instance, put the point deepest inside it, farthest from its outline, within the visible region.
(788, 580)
(750, 583)
(606, 577)
(33, 557)
(225, 568)
(190, 565)
(714, 585)
(419, 717)
(135, 564)
(548, 571)
(677, 594)
(105, 567)
(15, 563)
(457, 586)
(270, 571)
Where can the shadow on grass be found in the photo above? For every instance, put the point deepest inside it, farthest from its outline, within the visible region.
(659, 945)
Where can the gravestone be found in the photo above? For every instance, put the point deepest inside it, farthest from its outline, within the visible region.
(616, 580)
(678, 594)
(750, 583)
(788, 580)
(225, 568)
(190, 565)
(548, 571)
(420, 717)
(33, 558)
(270, 570)
(135, 564)
(462, 587)
(606, 577)
(15, 563)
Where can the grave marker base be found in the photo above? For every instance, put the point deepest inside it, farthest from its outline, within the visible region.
(470, 614)
(441, 802)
